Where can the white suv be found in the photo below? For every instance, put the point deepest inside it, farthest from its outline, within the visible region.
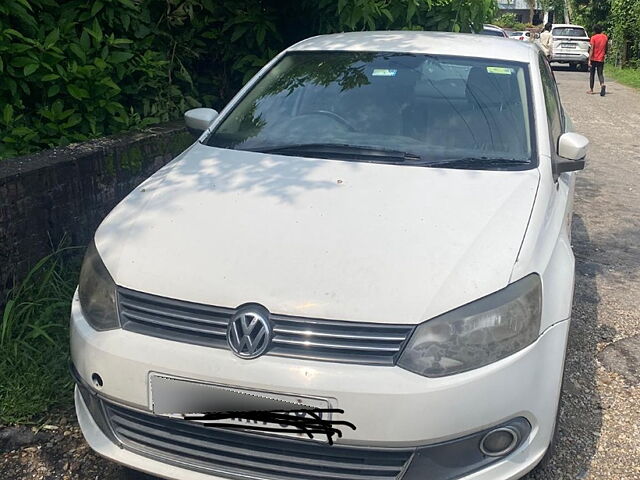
(361, 270)
(570, 45)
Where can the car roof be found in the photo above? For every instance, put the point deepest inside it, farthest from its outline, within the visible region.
(433, 43)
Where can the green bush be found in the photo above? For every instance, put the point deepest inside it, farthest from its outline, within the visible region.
(506, 20)
(625, 18)
(77, 69)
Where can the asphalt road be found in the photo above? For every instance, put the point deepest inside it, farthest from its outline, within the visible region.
(600, 414)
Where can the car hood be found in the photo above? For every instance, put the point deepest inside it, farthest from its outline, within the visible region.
(319, 238)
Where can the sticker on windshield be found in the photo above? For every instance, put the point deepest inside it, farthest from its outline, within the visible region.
(500, 70)
(384, 72)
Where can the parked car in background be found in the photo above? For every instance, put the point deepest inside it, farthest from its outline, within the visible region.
(570, 45)
(520, 35)
(373, 236)
(494, 31)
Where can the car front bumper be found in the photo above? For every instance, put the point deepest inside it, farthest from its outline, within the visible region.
(391, 407)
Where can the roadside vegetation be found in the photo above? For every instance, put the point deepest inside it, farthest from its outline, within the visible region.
(508, 20)
(71, 70)
(34, 340)
(625, 76)
(620, 20)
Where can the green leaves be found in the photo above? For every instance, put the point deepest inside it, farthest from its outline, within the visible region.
(78, 51)
(7, 114)
(53, 90)
(29, 69)
(411, 10)
(95, 31)
(51, 38)
(97, 6)
(119, 57)
(77, 92)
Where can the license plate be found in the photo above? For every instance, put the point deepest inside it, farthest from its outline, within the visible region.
(568, 45)
(183, 398)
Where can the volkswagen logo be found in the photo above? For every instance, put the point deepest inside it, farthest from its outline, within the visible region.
(249, 332)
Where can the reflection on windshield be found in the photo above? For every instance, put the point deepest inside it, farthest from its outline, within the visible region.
(434, 108)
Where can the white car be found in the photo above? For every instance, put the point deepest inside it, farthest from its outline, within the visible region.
(362, 269)
(493, 30)
(524, 36)
(570, 45)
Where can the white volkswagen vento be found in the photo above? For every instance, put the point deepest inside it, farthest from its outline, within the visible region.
(361, 270)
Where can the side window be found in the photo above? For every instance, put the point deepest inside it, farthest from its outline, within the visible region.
(552, 102)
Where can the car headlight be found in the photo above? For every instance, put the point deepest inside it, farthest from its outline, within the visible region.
(97, 292)
(477, 334)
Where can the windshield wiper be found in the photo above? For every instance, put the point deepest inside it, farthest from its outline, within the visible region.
(341, 150)
(478, 162)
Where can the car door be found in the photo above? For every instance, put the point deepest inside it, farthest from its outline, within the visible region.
(558, 123)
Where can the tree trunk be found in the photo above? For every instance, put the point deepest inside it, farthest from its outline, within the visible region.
(531, 13)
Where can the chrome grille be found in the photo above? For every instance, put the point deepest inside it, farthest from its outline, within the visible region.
(325, 340)
(239, 454)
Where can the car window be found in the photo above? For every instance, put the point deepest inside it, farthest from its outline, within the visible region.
(495, 33)
(552, 102)
(434, 107)
(569, 32)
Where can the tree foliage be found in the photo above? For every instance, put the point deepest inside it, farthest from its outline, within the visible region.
(625, 22)
(76, 69)
(620, 19)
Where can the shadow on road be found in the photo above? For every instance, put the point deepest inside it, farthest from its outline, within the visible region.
(581, 409)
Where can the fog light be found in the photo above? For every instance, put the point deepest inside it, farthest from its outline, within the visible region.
(499, 442)
(97, 381)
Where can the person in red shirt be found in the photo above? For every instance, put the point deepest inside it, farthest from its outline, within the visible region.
(599, 45)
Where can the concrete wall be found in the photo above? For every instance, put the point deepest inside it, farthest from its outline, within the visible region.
(67, 191)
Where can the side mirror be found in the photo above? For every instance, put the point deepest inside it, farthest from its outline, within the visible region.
(572, 148)
(199, 119)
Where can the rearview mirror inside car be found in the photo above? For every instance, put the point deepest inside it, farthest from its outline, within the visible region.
(199, 119)
(572, 150)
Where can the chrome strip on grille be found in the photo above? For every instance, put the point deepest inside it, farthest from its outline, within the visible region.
(297, 337)
(245, 455)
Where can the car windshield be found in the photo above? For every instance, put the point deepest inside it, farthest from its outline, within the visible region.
(386, 108)
(569, 32)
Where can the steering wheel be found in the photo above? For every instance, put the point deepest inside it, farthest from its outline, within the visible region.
(334, 116)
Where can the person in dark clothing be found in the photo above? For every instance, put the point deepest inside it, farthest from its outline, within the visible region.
(599, 45)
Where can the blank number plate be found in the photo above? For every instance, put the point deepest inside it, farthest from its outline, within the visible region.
(177, 397)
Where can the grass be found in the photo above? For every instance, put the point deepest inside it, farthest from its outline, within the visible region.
(625, 76)
(34, 340)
